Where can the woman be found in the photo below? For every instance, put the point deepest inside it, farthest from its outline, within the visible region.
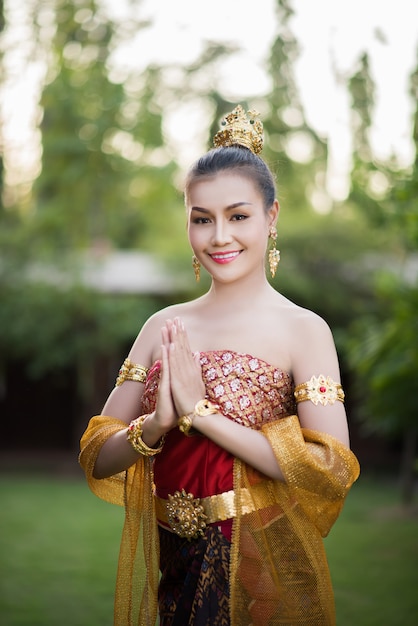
(239, 461)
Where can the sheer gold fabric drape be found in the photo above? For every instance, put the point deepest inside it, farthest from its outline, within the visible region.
(279, 573)
(137, 577)
(279, 569)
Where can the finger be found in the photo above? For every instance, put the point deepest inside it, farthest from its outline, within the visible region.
(168, 329)
(181, 336)
(165, 336)
(178, 323)
(164, 357)
(175, 339)
(165, 368)
(164, 388)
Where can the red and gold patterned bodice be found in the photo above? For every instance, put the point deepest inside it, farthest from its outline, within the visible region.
(248, 390)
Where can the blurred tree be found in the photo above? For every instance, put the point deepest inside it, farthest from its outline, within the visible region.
(320, 239)
(2, 25)
(109, 180)
(103, 160)
(295, 152)
(384, 357)
(365, 170)
(383, 346)
(404, 205)
(362, 91)
(103, 167)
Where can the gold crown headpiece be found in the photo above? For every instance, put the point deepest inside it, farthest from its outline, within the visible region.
(240, 130)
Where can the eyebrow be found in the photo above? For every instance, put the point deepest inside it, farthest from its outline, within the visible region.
(230, 207)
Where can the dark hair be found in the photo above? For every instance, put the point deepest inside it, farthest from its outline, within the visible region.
(237, 158)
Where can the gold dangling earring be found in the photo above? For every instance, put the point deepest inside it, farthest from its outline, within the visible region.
(274, 254)
(196, 267)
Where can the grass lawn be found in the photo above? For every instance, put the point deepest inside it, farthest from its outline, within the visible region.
(373, 556)
(59, 546)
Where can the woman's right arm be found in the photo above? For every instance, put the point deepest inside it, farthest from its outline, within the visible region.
(124, 403)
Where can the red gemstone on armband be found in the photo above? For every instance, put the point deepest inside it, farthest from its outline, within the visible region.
(322, 389)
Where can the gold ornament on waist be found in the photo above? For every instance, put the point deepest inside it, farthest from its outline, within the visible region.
(185, 515)
(216, 508)
(319, 390)
(240, 130)
(131, 371)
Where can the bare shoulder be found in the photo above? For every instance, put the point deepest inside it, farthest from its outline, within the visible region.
(299, 322)
(312, 347)
(307, 324)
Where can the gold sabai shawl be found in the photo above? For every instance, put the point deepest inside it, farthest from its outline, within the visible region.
(283, 535)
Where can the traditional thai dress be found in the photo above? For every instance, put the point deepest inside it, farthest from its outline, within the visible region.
(258, 557)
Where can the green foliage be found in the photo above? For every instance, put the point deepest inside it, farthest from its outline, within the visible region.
(383, 345)
(362, 94)
(2, 21)
(108, 181)
(296, 169)
(49, 328)
(323, 264)
(99, 141)
(403, 208)
(384, 354)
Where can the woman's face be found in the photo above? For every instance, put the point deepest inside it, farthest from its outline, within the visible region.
(228, 226)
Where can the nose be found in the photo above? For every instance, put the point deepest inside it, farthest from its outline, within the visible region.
(221, 234)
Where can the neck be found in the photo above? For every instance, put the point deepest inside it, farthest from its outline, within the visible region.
(238, 295)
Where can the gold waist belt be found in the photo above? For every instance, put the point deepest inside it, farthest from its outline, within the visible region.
(188, 516)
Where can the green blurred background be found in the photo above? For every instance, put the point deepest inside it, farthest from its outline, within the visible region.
(93, 241)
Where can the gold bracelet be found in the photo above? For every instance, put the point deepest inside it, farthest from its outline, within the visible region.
(131, 371)
(185, 424)
(202, 408)
(134, 436)
(319, 390)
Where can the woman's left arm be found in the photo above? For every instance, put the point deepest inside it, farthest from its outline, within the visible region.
(314, 355)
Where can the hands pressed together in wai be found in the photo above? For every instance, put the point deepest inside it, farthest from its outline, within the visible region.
(181, 384)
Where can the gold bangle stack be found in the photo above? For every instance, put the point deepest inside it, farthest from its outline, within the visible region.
(134, 436)
(131, 371)
(202, 408)
(319, 390)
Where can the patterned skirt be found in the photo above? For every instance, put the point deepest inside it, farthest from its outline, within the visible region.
(194, 585)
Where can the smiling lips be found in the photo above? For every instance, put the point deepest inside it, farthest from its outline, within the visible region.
(225, 257)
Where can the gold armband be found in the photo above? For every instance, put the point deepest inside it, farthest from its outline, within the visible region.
(202, 408)
(134, 436)
(319, 390)
(131, 371)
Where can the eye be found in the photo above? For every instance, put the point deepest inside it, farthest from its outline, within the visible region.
(200, 220)
(238, 217)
